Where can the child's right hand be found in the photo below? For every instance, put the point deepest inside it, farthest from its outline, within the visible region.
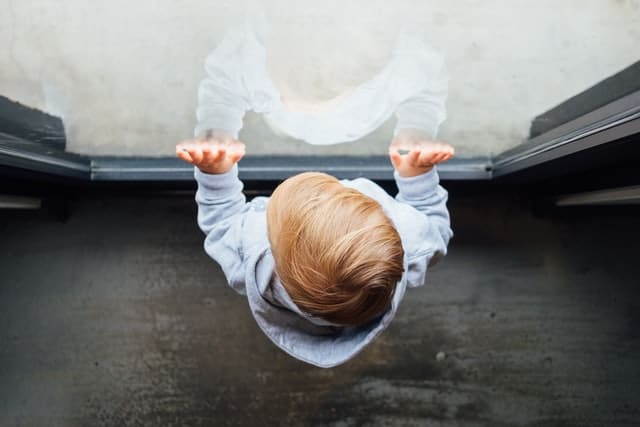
(213, 155)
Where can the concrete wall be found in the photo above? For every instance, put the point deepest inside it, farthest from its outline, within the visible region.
(124, 75)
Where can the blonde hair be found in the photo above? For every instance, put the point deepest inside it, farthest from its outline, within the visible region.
(336, 253)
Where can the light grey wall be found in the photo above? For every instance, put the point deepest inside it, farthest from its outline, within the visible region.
(124, 75)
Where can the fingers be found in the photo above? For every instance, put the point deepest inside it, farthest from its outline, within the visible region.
(211, 154)
(182, 151)
(448, 152)
(195, 151)
(396, 158)
(236, 152)
(445, 154)
(238, 147)
(431, 158)
(432, 154)
(235, 156)
(441, 157)
(208, 155)
(445, 157)
(414, 156)
(183, 154)
(205, 153)
(419, 157)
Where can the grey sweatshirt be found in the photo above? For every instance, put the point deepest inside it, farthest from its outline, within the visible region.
(236, 238)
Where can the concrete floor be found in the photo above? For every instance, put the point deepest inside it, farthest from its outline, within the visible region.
(117, 318)
(124, 75)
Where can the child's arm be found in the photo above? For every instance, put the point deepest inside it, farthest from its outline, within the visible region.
(221, 203)
(418, 185)
(222, 94)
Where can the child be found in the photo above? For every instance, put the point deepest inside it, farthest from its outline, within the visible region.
(324, 263)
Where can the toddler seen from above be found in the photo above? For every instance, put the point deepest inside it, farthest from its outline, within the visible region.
(324, 263)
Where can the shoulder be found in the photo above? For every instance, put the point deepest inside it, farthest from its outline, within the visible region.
(367, 187)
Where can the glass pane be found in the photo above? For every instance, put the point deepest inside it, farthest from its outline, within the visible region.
(124, 76)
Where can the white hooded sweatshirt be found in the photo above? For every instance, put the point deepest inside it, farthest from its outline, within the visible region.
(236, 237)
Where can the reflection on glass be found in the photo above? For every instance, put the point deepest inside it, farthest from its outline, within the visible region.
(330, 89)
(124, 76)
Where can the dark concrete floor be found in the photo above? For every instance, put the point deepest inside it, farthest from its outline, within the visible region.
(118, 318)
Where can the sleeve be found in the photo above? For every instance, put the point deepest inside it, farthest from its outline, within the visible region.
(424, 193)
(426, 110)
(221, 210)
(222, 95)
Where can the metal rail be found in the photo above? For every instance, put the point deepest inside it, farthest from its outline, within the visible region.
(275, 168)
(610, 123)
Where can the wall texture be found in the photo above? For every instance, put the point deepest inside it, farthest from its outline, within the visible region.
(124, 75)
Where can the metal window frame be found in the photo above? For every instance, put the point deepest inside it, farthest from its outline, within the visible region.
(19, 153)
(613, 196)
(275, 168)
(612, 122)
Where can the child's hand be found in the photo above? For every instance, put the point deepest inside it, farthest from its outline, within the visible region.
(413, 154)
(213, 155)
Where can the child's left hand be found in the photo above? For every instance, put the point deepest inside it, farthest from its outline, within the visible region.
(412, 153)
(212, 156)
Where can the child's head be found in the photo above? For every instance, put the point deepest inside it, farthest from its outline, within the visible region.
(336, 252)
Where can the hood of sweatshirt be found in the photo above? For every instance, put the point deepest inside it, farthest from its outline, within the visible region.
(308, 338)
